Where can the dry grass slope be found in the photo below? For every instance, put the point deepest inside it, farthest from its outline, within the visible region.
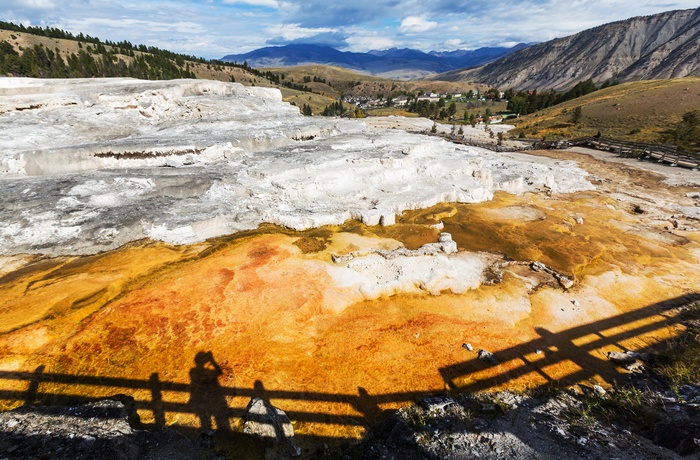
(638, 111)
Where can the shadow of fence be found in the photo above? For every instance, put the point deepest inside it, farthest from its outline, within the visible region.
(574, 345)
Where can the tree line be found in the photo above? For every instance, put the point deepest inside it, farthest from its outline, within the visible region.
(433, 110)
(50, 32)
(522, 102)
(526, 102)
(41, 62)
(123, 46)
(337, 109)
(100, 59)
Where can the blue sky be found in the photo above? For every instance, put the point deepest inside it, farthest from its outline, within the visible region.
(213, 28)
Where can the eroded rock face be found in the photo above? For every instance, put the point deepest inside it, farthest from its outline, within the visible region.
(640, 48)
(182, 161)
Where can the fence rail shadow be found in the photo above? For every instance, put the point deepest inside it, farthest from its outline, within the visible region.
(572, 345)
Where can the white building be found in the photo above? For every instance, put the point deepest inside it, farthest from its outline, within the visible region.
(401, 101)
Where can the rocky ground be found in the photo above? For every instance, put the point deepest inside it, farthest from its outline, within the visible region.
(102, 430)
(508, 425)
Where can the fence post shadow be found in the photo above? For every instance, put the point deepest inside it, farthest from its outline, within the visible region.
(157, 400)
(33, 390)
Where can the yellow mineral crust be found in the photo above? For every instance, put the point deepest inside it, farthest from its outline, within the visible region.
(268, 309)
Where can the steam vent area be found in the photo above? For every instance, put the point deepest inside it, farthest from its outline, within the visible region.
(196, 244)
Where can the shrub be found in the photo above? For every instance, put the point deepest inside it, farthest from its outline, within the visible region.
(576, 115)
(686, 133)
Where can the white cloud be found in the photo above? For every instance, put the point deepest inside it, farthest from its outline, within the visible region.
(213, 28)
(267, 3)
(30, 4)
(294, 32)
(416, 25)
(181, 27)
(359, 42)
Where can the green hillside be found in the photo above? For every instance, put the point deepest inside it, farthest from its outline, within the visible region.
(638, 111)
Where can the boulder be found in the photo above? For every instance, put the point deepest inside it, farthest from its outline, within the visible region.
(268, 423)
(487, 357)
(436, 403)
(621, 358)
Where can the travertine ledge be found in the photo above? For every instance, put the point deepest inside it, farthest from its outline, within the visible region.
(182, 161)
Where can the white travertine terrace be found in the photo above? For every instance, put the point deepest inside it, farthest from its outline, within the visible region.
(91, 164)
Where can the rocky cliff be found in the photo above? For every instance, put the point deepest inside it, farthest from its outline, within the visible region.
(664, 45)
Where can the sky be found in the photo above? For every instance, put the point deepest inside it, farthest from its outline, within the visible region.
(214, 28)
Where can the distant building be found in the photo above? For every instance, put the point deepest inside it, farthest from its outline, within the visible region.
(432, 97)
(401, 101)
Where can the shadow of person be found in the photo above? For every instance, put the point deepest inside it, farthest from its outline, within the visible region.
(207, 397)
(367, 405)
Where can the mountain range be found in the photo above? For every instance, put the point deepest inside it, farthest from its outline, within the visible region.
(392, 63)
(661, 46)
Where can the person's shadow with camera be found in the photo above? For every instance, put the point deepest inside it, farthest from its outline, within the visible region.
(207, 397)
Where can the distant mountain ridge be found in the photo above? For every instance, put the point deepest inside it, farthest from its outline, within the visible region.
(395, 63)
(665, 45)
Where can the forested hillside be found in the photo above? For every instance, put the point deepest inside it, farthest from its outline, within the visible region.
(68, 56)
(93, 61)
